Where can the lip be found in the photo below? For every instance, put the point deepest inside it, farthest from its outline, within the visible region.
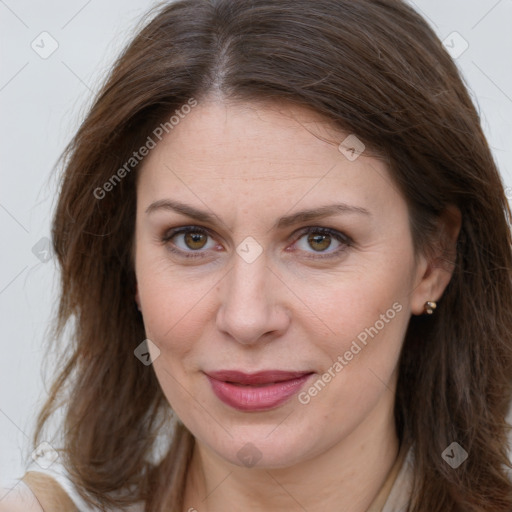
(258, 391)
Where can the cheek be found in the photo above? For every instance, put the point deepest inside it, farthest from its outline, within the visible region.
(368, 317)
(174, 312)
(174, 304)
(365, 306)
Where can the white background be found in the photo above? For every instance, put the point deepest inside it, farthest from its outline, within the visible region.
(41, 103)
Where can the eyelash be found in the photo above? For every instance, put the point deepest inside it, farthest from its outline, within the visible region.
(184, 230)
(343, 239)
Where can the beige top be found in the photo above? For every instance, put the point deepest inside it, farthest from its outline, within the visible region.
(392, 497)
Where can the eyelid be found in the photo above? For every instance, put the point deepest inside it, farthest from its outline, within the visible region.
(171, 233)
(341, 237)
(323, 230)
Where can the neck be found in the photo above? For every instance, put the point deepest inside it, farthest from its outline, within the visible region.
(347, 477)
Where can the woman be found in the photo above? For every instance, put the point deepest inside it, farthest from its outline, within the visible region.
(285, 249)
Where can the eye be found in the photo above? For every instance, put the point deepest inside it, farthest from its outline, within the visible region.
(317, 242)
(189, 240)
(322, 241)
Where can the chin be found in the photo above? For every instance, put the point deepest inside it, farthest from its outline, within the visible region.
(264, 447)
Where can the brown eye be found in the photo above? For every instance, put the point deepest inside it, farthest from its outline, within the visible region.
(194, 240)
(322, 242)
(319, 242)
(189, 241)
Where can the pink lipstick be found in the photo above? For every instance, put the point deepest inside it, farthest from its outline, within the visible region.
(256, 391)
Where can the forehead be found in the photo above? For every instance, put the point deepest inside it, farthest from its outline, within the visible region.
(261, 155)
(241, 132)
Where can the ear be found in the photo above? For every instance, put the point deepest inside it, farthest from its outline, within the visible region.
(436, 265)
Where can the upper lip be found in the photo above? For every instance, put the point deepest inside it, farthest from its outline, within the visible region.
(262, 377)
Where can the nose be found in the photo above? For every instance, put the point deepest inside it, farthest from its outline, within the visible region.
(251, 308)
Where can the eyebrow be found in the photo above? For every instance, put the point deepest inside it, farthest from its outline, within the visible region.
(282, 222)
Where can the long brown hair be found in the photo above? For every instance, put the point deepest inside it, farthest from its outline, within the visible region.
(374, 68)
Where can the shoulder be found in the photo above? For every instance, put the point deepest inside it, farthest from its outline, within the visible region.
(49, 493)
(36, 492)
(49, 481)
(39, 491)
(55, 492)
(19, 498)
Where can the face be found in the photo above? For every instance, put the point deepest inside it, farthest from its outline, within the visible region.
(276, 276)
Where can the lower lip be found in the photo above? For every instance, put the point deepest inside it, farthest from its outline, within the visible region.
(256, 398)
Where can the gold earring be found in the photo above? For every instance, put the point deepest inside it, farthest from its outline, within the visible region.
(429, 307)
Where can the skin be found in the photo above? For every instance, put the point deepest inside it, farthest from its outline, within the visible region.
(249, 165)
(19, 498)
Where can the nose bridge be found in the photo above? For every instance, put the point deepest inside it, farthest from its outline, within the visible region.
(248, 302)
(247, 286)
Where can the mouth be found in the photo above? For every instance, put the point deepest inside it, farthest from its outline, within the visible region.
(259, 391)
